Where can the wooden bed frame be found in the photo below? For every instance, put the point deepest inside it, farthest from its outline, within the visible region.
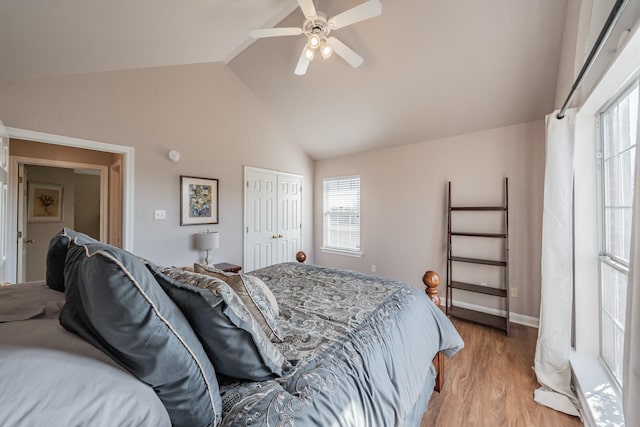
(431, 280)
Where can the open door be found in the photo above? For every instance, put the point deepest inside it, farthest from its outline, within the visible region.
(23, 240)
(115, 204)
(4, 209)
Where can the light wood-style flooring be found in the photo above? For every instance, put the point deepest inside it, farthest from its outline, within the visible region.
(491, 381)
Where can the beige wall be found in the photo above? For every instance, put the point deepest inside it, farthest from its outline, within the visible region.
(403, 203)
(87, 207)
(202, 110)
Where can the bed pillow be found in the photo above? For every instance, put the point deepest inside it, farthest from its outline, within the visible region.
(57, 253)
(256, 296)
(211, 270)
(234, 342)
(114, 302)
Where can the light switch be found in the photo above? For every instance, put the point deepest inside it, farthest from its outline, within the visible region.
(160, 214)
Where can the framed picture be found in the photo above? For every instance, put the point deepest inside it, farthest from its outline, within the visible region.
(44, 203)
(198, 200)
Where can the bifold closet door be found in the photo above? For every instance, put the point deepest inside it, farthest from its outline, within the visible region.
(289, 233)
(272, 218)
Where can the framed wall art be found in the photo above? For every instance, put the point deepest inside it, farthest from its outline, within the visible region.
(44, 203)
(198, 200)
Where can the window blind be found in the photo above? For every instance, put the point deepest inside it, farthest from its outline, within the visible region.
(341, 213)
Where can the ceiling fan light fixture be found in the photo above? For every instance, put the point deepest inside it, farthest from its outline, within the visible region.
(325, 50)
(314, 41)
(309, 53)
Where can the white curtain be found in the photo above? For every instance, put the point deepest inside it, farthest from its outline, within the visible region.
(631, 357)
(554, 333)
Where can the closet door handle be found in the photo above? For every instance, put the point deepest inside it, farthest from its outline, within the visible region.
(275, 236)
(280, 236)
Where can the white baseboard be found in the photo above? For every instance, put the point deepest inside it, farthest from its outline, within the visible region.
(520, 319)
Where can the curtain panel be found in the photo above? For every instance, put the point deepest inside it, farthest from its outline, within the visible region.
(553, 347)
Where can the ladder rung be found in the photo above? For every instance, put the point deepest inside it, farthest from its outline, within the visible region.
(479, 261)
(478, 208)
(487, 290)
(466, 233)
(498, 322)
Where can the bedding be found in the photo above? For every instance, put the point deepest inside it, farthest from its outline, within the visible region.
(254, 294)
(359, 350)
(114, 302)
(52, 377)
(230, 335)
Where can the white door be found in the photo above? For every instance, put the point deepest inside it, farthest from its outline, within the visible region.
(23, 240)
(115, 204)
(272, 217)
(260, 219)
(4, 210)
(289, 202)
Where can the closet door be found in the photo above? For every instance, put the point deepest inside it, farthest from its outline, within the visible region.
(260, 220)
(289, 202)
(272, 217)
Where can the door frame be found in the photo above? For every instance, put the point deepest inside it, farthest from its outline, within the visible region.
(47, 138)
(247, 170)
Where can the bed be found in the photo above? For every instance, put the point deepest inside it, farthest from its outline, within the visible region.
(352, 349)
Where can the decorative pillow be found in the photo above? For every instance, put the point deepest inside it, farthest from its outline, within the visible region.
(58, 246)
(229, 333)
(114, 302)
(215, 272)
(206, 269)
(256, 296)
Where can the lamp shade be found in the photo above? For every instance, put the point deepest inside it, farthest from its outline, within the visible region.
(207, 241)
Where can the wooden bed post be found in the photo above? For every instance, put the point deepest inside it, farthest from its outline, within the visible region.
(301, 256)
(431, 279)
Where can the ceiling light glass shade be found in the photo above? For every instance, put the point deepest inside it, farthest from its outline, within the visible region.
(309, 53)
(325, 50)
(314, 41)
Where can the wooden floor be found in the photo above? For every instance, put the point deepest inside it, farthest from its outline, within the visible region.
(491, 382)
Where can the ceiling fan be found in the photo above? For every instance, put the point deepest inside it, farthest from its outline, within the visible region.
(317, 27)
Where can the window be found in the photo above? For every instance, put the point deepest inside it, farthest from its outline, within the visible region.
(618, 139)
(341, 214)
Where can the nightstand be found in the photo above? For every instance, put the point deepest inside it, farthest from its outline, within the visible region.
(229, 268)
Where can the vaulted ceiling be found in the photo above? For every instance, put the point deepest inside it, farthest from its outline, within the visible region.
(432, 68)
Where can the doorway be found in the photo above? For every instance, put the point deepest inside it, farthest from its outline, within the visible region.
(119, 159)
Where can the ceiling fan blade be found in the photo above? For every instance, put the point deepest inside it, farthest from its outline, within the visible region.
(359, 13)
(303, 63)
(308, 9)
(275, 32)
(345, 52)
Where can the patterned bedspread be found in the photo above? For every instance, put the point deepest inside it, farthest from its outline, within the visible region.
(360, 347)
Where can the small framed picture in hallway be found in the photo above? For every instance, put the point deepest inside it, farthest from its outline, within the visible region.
(44, 203)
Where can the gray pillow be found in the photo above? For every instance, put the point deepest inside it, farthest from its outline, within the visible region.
(57, 253)
(229, 333)
(255, 294)
(114, 302)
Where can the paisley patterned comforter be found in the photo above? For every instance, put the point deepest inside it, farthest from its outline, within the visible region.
(360, 347)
